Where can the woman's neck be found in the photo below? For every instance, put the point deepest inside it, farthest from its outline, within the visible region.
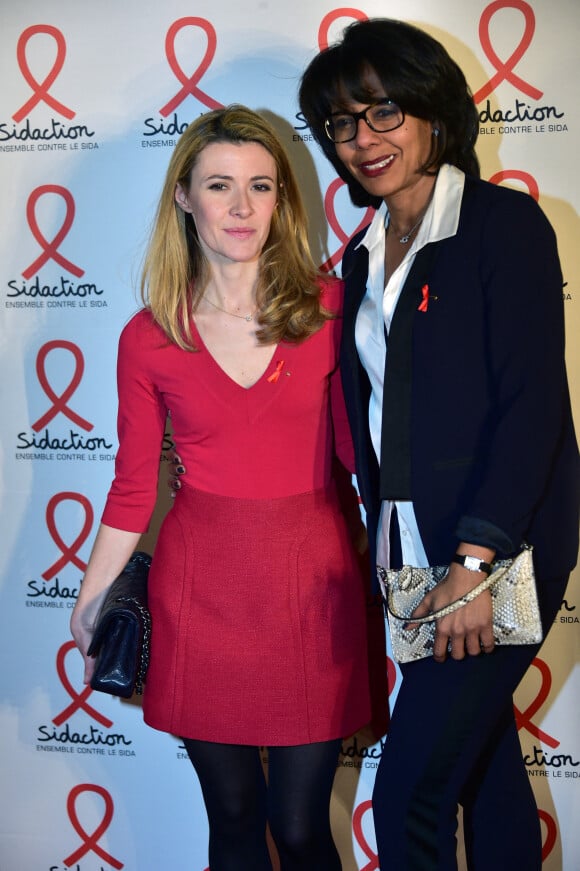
(408, 207)
(233, 285)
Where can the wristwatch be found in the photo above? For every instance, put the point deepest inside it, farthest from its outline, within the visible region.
(472, 563)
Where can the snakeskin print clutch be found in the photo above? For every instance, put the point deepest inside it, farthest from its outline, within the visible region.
(516, 614)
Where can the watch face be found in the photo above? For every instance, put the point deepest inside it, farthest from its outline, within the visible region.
(472, 563)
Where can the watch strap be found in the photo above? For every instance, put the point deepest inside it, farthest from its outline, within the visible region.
(472, 563)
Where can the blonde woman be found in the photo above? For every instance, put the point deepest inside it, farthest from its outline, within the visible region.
(257, 605)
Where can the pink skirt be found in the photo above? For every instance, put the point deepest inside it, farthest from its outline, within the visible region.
(259, 622)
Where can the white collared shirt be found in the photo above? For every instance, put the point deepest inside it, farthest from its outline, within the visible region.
(374, 317)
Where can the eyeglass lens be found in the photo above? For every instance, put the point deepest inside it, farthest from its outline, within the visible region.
(381, 117)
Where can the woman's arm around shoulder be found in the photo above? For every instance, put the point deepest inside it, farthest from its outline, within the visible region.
(331, 294)
(332, 297)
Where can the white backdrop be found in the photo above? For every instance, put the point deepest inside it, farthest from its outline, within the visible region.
(93, 97)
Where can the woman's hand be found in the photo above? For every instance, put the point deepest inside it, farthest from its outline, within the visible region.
(469, 630)
(111, 552)
(176, 469)
(82, 625)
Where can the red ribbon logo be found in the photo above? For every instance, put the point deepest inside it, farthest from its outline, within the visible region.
(518, 175)
(329, 199)
(59, 403)
(331, 17)
(190, 84)
(357, 827)
(90, 842)
(524, 719)
(79, 700)
(505, 71)
(551, 833)
(50, 249)
(41, 88)
(69, 554)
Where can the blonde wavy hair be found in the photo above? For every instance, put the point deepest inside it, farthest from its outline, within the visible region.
(176, 272)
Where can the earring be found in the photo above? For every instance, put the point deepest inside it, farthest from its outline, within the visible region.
(436, 131)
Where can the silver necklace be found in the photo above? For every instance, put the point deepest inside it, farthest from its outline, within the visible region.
(406, 236)
(247, 318)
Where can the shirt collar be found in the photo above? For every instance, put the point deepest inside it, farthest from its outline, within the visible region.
(441, 218)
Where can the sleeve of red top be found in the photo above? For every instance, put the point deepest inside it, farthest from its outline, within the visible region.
(140, 426)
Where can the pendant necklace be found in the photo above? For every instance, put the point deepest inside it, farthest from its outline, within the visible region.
(247, 318)
(406, 236)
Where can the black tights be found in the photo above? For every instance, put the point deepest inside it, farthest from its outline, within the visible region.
(295, 802)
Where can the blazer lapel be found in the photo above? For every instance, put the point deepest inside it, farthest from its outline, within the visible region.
(395, 463)
(355, 381)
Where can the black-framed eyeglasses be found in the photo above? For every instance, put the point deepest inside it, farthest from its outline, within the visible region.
(381, 117)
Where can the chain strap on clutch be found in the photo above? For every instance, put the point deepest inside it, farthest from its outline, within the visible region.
(145, 651)
(122, 638)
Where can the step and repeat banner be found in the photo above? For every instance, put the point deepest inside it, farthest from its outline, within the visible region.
(93, 99)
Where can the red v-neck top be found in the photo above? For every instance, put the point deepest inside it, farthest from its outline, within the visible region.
(271, 440)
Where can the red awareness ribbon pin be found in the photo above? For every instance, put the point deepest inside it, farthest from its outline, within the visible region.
(277, 372)
(424, 304)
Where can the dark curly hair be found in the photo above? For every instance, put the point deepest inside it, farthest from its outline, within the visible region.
(415, 71)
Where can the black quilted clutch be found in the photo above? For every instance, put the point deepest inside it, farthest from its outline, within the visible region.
(121, 640)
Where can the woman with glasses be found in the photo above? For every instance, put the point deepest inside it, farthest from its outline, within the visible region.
(453, 371)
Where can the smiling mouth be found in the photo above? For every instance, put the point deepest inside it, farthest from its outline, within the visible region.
(376, 166)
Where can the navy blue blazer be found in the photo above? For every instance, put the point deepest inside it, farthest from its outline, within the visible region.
(492, 439)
